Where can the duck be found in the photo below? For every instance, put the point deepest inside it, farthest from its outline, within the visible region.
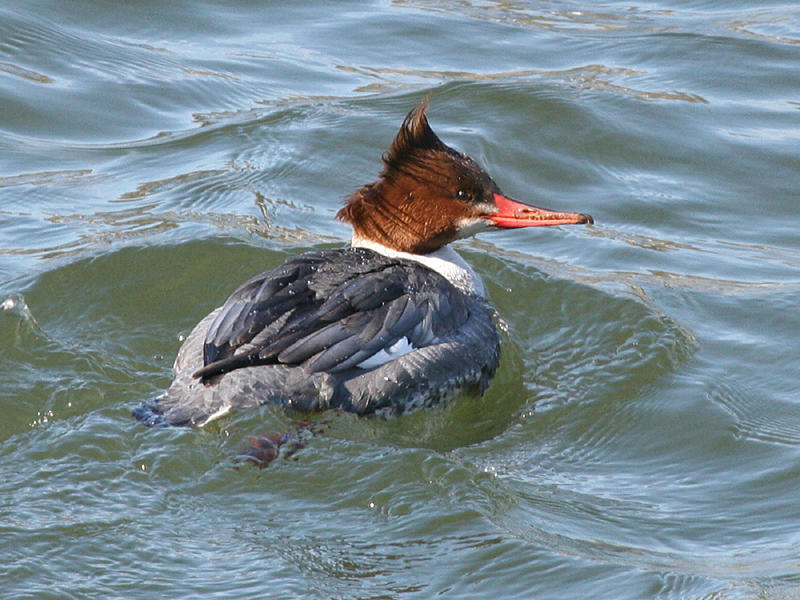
(394, 322)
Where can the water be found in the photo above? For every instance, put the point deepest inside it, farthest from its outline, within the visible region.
(642, 437)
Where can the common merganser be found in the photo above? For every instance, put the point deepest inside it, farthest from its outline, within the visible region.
(393, 323)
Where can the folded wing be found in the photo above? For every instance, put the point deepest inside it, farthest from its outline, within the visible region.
(331, 311)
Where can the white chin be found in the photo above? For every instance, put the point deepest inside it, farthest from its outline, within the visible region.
(470, 226)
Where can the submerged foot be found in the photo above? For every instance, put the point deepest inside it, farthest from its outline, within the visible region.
(264, 449)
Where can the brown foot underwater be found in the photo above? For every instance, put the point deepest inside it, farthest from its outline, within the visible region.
(266, 448)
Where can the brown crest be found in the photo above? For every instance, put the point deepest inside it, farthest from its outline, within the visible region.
(415, 136)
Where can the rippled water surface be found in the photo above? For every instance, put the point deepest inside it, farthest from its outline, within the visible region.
(642, 436)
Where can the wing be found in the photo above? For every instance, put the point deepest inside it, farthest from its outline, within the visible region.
(331, 311)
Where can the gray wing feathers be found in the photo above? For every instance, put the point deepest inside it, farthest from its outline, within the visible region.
(330, 315)
(469, 357)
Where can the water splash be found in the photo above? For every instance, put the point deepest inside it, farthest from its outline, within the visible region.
(14, 304)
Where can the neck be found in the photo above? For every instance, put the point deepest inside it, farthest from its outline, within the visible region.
(445, 261)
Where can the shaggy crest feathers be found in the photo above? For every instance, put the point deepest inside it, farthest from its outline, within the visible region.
(415, 135)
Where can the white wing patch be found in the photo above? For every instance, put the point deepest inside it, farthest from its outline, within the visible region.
(396, 350)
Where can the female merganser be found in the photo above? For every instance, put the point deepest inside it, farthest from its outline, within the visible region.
(390, 324)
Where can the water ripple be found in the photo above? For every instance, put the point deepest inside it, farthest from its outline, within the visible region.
(758, 415)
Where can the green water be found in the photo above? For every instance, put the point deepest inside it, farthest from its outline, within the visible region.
(642, 436)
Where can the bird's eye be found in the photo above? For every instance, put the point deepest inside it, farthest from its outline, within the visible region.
(462, 194)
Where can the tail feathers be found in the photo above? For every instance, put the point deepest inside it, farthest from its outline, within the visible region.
(150, 414)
